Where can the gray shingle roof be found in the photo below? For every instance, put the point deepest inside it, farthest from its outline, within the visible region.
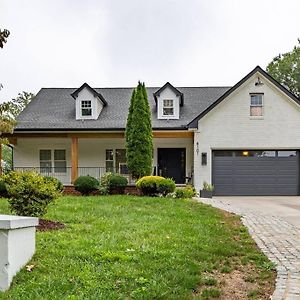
(54, 109)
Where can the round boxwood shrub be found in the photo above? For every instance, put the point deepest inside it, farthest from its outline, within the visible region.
(3, 189)
(165, 186)
(29, 193)
(113, 183)
(57, 182)
(154, 185)
(117, 182)
(86, 184)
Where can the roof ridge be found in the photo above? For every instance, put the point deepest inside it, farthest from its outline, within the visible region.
(149, 87)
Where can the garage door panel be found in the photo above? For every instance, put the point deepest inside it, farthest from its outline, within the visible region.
(238, 175)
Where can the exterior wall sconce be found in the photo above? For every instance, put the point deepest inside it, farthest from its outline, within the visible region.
(197, 148)
(258, 82)
(203, 158)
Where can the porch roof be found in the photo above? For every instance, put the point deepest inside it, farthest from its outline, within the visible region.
(54, 109)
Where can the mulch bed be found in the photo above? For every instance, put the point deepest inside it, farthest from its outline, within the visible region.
(45, 225)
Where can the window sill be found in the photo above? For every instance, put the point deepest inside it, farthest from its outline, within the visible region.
(256, 118)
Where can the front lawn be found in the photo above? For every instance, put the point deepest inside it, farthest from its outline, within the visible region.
(126, 247)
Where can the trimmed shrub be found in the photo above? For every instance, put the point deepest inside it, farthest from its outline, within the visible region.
(3, 189)
(166, 186)
(30, 193)
(117, 182)
(154, 185)
(186, 192)
(86, 184)
(113, 182)
(59, 185)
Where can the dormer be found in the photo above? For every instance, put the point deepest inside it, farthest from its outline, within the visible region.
(168, 100)
(88, 103)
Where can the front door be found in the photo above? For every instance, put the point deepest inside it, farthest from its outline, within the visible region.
(171, 163)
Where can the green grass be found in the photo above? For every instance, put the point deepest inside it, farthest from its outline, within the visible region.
(126, 247)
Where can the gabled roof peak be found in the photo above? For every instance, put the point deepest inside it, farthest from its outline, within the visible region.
(93, 91)
(175, 90)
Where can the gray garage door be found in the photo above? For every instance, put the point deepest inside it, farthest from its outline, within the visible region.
(255, 172)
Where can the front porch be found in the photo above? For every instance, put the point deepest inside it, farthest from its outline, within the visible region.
(67, 158)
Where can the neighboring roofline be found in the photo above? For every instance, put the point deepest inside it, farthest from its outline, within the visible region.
(85, 85)
(174, 89)
(19, 130)
(194, 122)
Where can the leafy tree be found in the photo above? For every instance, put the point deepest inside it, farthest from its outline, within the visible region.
(285, 68)
(139, 144)
(4, 34)
(16, 105)
(8, 113)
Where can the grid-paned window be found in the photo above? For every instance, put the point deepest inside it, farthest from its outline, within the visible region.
(53, 161)
(168, 107)
(60, 163)
(121, 161)
(115, 160)
(109, 160)
(86, 108)
(256, 105)
(45, 161)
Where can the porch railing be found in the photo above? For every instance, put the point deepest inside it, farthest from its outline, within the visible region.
(64, 174)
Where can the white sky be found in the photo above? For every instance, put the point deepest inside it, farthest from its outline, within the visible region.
(108, 43)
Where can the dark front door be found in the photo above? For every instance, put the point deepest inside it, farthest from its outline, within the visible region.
(171, 163)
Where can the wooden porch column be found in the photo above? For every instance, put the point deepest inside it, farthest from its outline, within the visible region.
(74, 159)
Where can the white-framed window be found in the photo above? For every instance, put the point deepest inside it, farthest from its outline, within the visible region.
(86, 108)
(168, 107)
(53, 161)
(109, 160)
(256, 105)
(115, 161)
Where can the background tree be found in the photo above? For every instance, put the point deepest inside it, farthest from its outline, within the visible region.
(4, 34)
(139, 144)
(16, 105)
(8, 114)
(285, 68)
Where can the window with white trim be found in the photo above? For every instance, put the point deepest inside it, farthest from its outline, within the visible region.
(256, 105)
(53, 161)
(86, 108)
(168, 107)
(109, 160)
(115, 160)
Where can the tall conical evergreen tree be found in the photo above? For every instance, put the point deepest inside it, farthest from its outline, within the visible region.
(129, 117)
(139, 145)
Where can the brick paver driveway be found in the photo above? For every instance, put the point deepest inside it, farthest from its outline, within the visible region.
(274, 223)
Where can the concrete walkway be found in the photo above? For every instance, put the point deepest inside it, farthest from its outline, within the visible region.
(276, 237)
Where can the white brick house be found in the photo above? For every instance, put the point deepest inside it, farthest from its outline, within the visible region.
(245, 139)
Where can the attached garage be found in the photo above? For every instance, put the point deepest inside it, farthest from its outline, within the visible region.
(255, 172)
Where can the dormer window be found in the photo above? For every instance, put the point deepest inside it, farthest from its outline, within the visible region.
(168, 107)
(88, 103)
(168, 101)
(86, 108)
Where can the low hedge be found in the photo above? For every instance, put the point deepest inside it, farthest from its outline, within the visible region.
(185, 192)
(155, 185)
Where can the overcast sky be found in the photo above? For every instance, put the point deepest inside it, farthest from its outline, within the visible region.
(109, 43)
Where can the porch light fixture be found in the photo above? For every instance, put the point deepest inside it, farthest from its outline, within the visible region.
(197, 148)
(245, 153)
(258, 82)
(203, 158)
